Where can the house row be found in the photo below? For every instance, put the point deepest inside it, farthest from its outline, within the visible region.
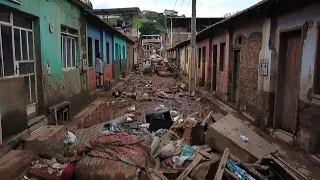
(265, 62)
(47, 60)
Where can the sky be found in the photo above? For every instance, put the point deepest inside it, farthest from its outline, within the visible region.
(205, 8)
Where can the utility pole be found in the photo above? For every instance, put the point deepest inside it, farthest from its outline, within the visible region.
(171, 32)
(193, 62)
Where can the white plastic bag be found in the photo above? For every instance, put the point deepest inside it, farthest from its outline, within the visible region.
(69, 138)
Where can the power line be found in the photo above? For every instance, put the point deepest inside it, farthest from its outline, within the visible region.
(154, 4)
(175, 4)
(181, 4)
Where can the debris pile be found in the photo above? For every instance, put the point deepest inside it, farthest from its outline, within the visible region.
(163, 141)
(155, 64)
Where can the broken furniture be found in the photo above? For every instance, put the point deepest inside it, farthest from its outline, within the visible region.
(60, 113)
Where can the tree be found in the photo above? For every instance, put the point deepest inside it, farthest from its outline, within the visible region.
(149, 28)
(136, 22)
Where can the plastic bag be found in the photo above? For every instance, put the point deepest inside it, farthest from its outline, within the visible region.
(69, 138)
(171, 149)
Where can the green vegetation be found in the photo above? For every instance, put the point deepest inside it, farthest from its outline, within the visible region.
(151, 23)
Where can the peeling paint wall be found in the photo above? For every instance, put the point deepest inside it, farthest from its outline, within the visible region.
(203, 44)
(120, 62)
(221, 76)
(57, 84)
(182, 58)
(309, 106)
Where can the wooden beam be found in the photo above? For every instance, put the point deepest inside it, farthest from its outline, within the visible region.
(159, 174)
(222, 165)
(195, 162)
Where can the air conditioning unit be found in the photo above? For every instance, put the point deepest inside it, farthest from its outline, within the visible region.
(85, 65)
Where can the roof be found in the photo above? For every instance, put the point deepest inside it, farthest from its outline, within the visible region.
(85, 4)
(262, 8)
(95, 19)
(116, 11)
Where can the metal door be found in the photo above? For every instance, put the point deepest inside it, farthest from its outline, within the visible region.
(292, 54)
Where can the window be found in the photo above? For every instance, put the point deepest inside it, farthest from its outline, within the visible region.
(119, 55)
(222, 56)
(17, 56)
(68, 48)
(187, 54)
(90, 55)
(199, 57)
(123, 52)
(316, 78)
(204, 55)
(117, 52)
(108, 53)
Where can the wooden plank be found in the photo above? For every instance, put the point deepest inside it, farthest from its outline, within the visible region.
(204, 122)
(187, 178)
(257, 166)
(193, 114)
(208, 155)
(226, 133)
(195, 162)
(222, 165)
(159, 174)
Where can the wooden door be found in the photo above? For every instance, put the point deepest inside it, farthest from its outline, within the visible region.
(288, 80)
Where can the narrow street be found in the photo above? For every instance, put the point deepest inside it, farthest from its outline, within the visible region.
(121, 120)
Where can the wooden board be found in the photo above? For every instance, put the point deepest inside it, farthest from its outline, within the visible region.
(222, 165)
(226, 133)
(185, 173)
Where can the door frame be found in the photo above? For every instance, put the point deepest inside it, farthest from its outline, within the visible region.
(280, 66)
(235, 90)
(214, 68)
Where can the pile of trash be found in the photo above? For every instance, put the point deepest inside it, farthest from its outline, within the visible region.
(155, 64)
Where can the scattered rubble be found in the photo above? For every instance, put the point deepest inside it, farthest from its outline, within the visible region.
(162, 132)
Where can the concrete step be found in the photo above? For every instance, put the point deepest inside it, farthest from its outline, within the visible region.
(41, 138)
(15, 164)
(37, 122)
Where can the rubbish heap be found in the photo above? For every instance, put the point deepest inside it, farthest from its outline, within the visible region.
(155, 64)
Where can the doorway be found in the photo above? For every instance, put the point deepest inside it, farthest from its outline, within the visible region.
(235, 76)
(203, 78)
(214, 67)
(286, 105)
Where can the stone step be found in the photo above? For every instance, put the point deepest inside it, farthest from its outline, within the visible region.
(15, 164)
(41, 138)
(37, 122)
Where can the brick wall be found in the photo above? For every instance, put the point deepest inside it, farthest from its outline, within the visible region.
(250, 98)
